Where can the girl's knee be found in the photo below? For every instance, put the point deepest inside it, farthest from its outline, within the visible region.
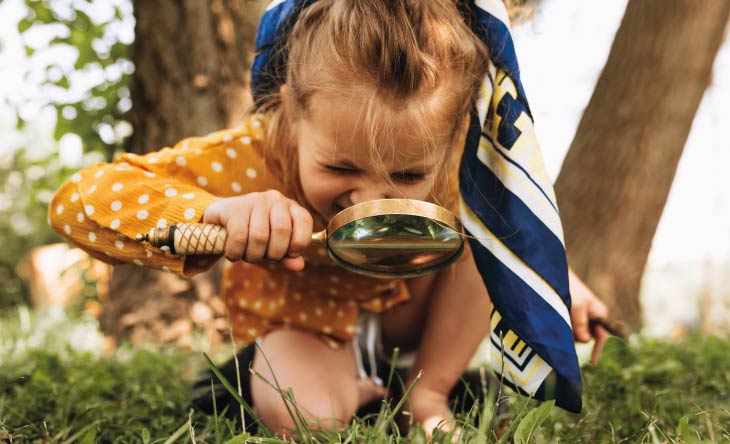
(323, 382)
(324, 413)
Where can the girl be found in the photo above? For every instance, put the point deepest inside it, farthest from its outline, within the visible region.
(373, 102)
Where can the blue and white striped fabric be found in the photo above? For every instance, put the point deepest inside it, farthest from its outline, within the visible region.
(507, 205)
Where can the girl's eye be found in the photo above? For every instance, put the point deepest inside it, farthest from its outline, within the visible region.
(341, 170)
(407, 177)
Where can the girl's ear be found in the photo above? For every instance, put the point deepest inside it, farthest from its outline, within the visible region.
(285, 94)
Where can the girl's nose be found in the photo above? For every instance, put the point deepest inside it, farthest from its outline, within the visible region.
(369, 191)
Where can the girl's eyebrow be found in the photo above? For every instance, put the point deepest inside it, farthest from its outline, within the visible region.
(420, 166)
(333, 160)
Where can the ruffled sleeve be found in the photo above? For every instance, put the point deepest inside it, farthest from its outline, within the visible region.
(104, 206)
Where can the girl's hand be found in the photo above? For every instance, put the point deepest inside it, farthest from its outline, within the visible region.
(264, 225)
(430, 409)
(586, 305)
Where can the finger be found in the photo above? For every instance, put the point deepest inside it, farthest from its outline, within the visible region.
(579, 319)
(597, 309)
(281, 229)
(214, 213)
(301, 236)
(601, 336)
(238, 232)
(294, 263)
(258, 234)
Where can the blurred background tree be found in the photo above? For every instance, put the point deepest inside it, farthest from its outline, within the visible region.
(618, 172)
(187, 74)
(191, 78)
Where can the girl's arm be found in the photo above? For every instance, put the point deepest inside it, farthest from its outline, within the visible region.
(457, 320)
(104, 206)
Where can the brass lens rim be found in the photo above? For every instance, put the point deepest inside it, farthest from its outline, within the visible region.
(410, 207)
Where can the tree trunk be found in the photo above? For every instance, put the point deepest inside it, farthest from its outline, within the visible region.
(192, 61)
(617, 174)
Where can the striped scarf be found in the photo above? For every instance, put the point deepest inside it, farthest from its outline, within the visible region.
(507, 206)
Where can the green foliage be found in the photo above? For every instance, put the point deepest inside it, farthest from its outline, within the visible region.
(525, 432)
(99, 113)
(56, 385)
(653, 391)
(27, 187)
(90, 96)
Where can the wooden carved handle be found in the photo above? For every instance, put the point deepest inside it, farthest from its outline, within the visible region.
(188, 239)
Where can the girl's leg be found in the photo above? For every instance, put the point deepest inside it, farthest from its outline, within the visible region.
(403, 324)
(324, 382)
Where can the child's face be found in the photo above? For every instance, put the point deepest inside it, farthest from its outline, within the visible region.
(336, 169)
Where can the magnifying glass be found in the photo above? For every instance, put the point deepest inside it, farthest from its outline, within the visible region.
(386, 238)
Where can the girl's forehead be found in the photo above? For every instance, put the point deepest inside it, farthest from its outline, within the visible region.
(345, 124)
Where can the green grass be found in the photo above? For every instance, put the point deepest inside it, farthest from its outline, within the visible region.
(57, 386)
(643, 391)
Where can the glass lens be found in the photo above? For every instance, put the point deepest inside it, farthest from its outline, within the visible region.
(394, 245)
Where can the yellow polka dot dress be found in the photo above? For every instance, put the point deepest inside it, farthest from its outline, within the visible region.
(103, 207)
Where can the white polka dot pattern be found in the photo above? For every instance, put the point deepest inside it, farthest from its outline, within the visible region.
(104, 207)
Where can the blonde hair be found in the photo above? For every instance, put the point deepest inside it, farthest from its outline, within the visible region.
(417, 58)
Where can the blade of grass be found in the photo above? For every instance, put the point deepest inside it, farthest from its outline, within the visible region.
(532, 421)
(215, 414)
(486, 421)
(391, 371)
(83, 430)
(178, 433)
(513, 424)
(191, 429)
(289, 403)
(287, 397)
(403, 399)
(238, 370)
(228, 385)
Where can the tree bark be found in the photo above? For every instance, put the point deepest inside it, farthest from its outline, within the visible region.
(617, 174)
(192, 60)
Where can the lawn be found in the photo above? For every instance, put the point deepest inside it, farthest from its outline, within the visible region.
(60, 384)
